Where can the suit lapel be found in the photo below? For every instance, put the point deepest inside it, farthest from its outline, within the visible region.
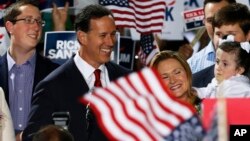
(111, 72)
(75, 74)
(39, 70)
(4, 76)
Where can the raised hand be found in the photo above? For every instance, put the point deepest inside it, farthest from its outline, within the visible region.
(59, 16)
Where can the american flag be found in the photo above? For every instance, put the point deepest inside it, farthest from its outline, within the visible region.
(146, 16)
(148, 48)
(132, 109)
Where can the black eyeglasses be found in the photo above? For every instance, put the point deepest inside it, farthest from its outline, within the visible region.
(29, 20)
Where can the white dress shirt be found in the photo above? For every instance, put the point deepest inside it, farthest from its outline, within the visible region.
(202, 59)
(87, 72)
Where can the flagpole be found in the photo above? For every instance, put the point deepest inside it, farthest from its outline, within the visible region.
(222, 117)
(197, 36)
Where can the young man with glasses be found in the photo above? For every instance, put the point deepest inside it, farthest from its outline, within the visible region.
(21, 67)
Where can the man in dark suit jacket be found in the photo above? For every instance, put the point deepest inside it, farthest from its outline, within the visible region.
(60, 92)
(203, 77)
(62, 89)
(21, 68)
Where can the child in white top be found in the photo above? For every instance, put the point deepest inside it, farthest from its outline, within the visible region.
(231, 71)
(6, 126)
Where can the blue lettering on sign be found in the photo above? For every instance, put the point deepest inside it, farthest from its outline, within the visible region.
(193, 2)
(169, 13)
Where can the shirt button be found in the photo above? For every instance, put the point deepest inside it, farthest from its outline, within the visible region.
(20, 91)
(20, 109)
(20, 125)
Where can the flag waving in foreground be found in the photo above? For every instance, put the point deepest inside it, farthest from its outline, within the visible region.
(139, 107)
(144, 16)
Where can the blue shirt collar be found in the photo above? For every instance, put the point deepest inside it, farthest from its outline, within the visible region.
(12, 62)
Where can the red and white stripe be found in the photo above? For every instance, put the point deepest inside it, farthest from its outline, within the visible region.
(138, 107)
(144, 16)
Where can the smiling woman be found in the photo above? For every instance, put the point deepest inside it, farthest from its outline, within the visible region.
(176, 74)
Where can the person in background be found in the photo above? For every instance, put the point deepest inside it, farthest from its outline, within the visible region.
(22, 67)
(231, 72)
(206, 57)
(59, 16)
(232, 19)
(6, 125)
(176, 74)
(61, 90)
(53, 133)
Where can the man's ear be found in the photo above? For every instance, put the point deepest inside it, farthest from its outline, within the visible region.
(241, 70)
(9, 27)
(82, 37)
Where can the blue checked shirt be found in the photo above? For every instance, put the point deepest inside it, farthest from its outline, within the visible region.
(202, 59)
(21, 79)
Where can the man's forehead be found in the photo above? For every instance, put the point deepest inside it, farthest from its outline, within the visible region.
(228, 28)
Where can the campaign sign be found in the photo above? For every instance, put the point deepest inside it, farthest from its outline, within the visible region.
(116, 50)
(237, 117)
(59, 46)
(127, 52)
(173, 24)
(193, 4)
(237, 114)
(193, 19)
